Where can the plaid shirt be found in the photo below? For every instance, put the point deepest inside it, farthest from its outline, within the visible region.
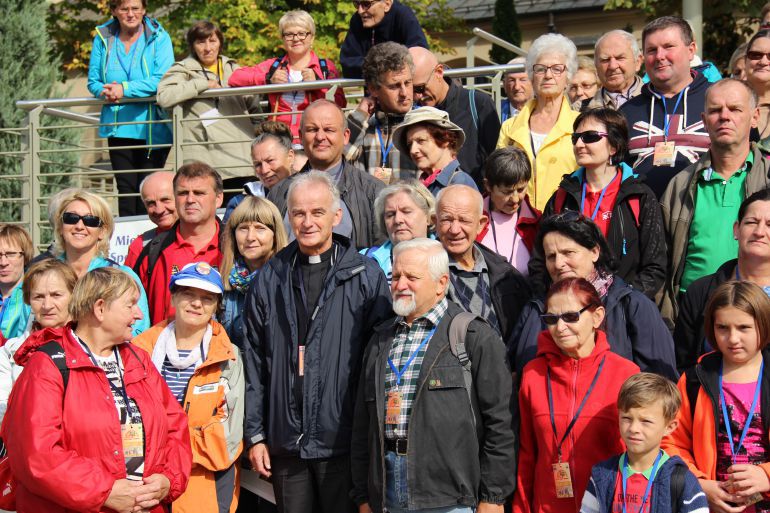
(365, 148)
(406, 341)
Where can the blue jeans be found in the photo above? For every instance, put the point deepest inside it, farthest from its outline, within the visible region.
(396, 490)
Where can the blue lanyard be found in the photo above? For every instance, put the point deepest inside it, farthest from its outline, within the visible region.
(400, 372)
(726, 416)
(666, 117)
(598, 203)
(384, 151)
(577, 413)
(649, 481)
(126, 69)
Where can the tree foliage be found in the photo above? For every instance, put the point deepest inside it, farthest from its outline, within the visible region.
(726, 24)
(505, 25)
(250, 27)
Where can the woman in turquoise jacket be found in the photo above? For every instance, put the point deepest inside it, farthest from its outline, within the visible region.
(131, 53)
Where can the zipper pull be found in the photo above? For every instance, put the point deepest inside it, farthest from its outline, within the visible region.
(187, 408)
(300, 438)
(624, 247)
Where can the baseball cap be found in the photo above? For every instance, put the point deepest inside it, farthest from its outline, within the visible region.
(198, 275)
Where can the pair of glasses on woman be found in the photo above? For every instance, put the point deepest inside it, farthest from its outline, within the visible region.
(588, 137)
(556, 69)
(550, 319)
(89, 220)
(295, 36)
(754, 55)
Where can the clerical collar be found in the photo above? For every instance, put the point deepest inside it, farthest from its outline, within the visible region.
(316, 259)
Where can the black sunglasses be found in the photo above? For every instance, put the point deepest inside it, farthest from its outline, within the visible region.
(589, 136)
(550, 319)
(89, 220)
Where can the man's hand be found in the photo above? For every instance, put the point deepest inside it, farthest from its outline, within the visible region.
(367, 106)
(281, 76)
(213, 84)
(260, 459)
(487, 507)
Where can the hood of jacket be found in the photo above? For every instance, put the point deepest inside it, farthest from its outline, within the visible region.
(698, 85)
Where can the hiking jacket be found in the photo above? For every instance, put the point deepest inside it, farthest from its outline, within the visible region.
(67, 446)
(678, 207)
(354, 299)
(155, 59)
(635, 237)
(595, 435)
(481, 463)
(602, 98)
(213, 403)
(230, 152)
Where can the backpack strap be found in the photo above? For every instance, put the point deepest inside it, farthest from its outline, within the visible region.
(458, 329)
(56, 352)
(153, 249)
(273, 67)
(474, 112)
(678, 476)
(148, 236)
(324, 68)
(558, 203)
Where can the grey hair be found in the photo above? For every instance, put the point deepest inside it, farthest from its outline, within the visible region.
(438, 260)
(625, 35)
(282, 140)
(385, 57)
(421, 196)
(315, 177)
(553, 43)
(467, 189)
(517, 60)
(753, 98)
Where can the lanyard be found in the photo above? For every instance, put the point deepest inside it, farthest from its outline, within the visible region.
(649, 481)
(598, 203)
(494, 235)
(666, 117)
(726, 416)
(384, 151)
(577, 413)
(119, 390)
(400, 372)
(126, 68)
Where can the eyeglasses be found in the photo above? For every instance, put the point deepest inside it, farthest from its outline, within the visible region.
(588, 137)
(420, 88)
(133, 10)
(295, 36)
(91, 221)
(754, 55)
(364, 5)
(12, 255)
(556, 69)
(550, 319)
(567, 216)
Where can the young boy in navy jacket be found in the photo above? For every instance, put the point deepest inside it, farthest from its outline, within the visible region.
(645, 479)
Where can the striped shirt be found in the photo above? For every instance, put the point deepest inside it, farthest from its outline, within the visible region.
(405, 342)
(177, 379)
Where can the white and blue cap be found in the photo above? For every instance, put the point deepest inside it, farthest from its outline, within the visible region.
(198, 275)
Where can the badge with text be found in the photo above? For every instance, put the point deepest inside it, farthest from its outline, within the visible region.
(665, 154)
(133, 440)
(393, 409)
(301, 361)
(563, 481)
(383, 173)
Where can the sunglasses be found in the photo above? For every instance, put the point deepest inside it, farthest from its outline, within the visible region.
(550, 319)
(364, 4)
(91, 221)
(420, 88)
(588, 137)
(754, 55)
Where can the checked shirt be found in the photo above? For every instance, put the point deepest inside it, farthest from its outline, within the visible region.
(405, 342)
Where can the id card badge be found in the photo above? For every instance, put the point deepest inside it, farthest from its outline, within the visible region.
(563, 481)
(665, 154)
(210, 117)
(133, 440)
(384, 173)
(301, 361)
(393, 408)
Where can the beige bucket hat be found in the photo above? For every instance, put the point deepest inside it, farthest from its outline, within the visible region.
(430, 115)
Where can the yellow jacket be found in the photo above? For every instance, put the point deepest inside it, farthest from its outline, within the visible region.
(555, 158)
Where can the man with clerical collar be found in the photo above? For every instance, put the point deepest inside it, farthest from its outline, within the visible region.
(459, 454)
(388, 71)
(481, 281)
(324, 133)
(702, 202)
(473, 112)
(307, 321)
(617, 58)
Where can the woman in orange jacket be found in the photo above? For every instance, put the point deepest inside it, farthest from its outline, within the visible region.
(727, 454)
(204, 371)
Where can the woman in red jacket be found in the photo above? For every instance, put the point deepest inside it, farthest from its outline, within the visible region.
(299, 64)
(91, 426)
(568, 402)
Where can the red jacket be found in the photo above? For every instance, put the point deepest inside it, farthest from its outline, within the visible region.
(257, 75)
(67, 450)
(526, 225)
(596, 431)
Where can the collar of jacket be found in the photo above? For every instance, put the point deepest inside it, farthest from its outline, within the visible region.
(698, 82)
(630, 183)
(344, 182)
(546, 347)
(603, 95)
(385, 120)
(520, 128)
(452, 94)
(111, 28)
(696, 170)
(348, 264)
(220, 348)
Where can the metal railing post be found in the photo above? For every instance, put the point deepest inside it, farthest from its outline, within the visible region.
(496, 92)
(176, 116)
(30, 185)
(470, 57)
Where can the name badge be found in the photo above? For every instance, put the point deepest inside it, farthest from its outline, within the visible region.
(393, 409)
(206, 117)
(665, 154)
(563, 481)
(133, 440)
(206, 389)
(383, 173)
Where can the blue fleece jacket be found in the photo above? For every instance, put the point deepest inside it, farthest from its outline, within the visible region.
(601, 489)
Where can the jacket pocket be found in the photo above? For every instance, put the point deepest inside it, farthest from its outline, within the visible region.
(441, 378)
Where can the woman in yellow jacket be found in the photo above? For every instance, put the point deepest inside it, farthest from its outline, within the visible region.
(543, 128)
(205, 373)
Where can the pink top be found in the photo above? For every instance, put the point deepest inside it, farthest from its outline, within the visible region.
(503, 239)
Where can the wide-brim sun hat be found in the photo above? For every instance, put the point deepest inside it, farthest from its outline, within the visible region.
(198, 275)
(429, 115)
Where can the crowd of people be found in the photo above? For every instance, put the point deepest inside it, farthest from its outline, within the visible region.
(411, 306)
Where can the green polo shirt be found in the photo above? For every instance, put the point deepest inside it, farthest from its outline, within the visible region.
(711, 241)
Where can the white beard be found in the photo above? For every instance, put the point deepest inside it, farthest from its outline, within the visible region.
(404, 306)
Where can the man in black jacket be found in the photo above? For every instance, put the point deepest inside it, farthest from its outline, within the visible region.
(324, 133)
(417, 403)
(307, 321)
(481, 281)
(471, 110)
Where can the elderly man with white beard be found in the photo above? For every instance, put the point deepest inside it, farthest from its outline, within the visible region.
(460, 448)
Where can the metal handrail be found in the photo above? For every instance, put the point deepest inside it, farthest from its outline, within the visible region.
(483, 34)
